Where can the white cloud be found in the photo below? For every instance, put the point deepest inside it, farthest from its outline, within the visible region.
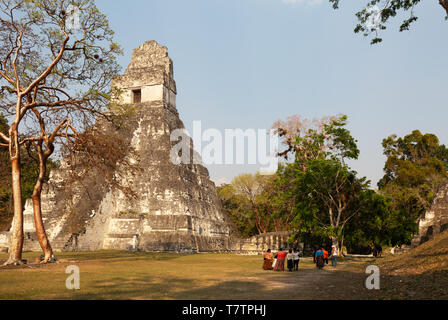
(308, 2)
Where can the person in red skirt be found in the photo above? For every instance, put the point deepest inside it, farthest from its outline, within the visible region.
(280, 265)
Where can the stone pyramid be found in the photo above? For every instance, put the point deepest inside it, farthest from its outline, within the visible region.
(175, 207)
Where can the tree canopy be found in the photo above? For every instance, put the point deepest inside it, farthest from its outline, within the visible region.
(320, 198)
(377, 13)
(256, 204)
(416, 165)
(323, 188)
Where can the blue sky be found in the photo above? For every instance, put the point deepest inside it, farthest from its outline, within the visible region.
(246, 63)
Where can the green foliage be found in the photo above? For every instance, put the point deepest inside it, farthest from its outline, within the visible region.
(324, 191)
(256, 204)
(331, 202)
(326, 138)
(320, 198)
(342, 144)
(369, 226)
(388, 9)
(416, 165)
(239, 210)
(377, 223)
(327, 195)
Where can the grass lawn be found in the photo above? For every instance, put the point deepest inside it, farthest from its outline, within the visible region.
(127, 275)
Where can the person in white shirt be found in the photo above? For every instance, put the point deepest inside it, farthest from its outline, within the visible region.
(296, 255)
(290, 259)
(334, 255)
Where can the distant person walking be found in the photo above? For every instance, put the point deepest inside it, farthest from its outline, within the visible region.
(280, 256)
(320, 258)
(296, 255)
(268, 260)
(379, 250)
(325, 255)
(290, 259)
(334, 255)
(374, 251)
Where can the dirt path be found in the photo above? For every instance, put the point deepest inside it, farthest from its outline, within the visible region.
(346, 281)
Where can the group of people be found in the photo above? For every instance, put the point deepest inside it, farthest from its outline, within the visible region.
(277, 262)
(321, 256)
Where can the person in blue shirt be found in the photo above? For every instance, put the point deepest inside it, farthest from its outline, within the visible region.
(320, 258)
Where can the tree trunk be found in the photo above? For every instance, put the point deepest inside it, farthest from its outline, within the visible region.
(335, 241)
(16, 242)
(37, 211)
(40, 229)
(37, 202)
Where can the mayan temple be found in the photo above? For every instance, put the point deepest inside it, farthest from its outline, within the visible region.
(435, 220)
(176, 207)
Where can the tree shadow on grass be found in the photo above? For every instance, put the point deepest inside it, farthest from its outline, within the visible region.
(327, 285)
(303, 285)
(139, 287)
(176, 289)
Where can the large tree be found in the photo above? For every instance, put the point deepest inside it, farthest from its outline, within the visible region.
(328, 195)
(377, 13)
(416, 165)
(256, 203)
(57, 59)
(321, 184)
(306, 140)
(377, 223)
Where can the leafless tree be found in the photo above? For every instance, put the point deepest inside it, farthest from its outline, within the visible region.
(57, 59)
